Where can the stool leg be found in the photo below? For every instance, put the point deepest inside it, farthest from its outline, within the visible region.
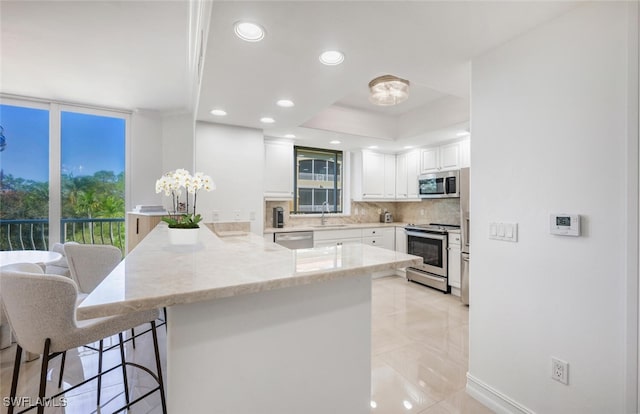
(133, 338)
(99, 371)
(43, 375)
(124, 369)
(14, 380)
(64, 358)
(158, 367)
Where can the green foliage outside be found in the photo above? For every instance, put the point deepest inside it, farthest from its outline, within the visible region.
(98, 196)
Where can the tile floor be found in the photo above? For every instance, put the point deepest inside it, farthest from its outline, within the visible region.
(419, 360)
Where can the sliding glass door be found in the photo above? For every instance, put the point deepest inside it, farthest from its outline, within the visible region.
(24, 177)
(62, 175)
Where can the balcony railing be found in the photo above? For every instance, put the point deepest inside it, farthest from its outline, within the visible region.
(33, 234)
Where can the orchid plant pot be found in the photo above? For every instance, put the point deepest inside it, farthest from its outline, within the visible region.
(179, 236)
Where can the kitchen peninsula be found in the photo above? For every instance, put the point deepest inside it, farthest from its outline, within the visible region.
(253, 326)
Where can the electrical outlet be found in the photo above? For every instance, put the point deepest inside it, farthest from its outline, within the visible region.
(215, 216)
(252, 215)
(236, 214)
(560, 370)
(422, 211)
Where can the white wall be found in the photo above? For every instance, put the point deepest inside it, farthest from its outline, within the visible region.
(234, 158)
(178, 142)
(549, 125)
(145, 155)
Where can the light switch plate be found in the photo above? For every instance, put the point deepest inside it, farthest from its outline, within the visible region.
(503, 231)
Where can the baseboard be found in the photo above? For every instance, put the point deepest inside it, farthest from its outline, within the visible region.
(494, 399)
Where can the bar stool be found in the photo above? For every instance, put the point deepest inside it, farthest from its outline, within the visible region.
(41, 310)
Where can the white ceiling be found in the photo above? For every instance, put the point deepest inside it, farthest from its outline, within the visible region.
(134, 55)
(122, 54)
(429, 43)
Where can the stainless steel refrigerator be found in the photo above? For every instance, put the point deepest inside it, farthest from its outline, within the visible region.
(464, 233)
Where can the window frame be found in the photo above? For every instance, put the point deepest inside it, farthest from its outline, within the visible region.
(343, 180)
(55, 109)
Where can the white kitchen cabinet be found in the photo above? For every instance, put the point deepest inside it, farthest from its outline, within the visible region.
(335, 242)
(430, 160)
(374, 176)
(390, 176)
(454, 261)
(465, 153)
(380, 237)
(322, 238)
(407, 171)
(278, 170)
(401, 240)
(402, 189)
(442, 158)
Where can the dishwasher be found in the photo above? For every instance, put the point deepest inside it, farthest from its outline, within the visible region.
(295, 239)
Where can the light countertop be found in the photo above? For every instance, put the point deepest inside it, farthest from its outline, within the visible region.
(157, 274)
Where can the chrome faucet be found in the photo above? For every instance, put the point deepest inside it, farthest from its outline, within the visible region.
(323, 219)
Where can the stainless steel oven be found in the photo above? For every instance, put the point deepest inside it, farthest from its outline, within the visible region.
(431, 243)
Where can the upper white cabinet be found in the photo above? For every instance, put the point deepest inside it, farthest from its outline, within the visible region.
(374, 176)
(278, 170)
(390, 176)
(442, 158)
(407, 171)
(465, 153)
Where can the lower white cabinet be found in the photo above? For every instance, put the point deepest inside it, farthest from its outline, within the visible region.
(377, 236)
(454, 260)
(380, 237)
(401, 240)
(323, 238)
(335, 242)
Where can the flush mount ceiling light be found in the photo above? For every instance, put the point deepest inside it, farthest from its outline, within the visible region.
(334, 142)
(248, 31)
(285, 103)
(388, 90)
(332, 57)
(218, 112)
(267, 120)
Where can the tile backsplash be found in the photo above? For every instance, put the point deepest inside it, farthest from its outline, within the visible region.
(445, 210)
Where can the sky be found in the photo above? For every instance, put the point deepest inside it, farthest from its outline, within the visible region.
(90, 143)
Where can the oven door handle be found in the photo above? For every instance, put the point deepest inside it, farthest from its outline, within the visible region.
(425, 235)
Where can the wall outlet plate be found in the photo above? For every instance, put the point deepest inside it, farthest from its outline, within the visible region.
(560, 370)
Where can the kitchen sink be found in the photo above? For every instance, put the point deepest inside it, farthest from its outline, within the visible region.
(329, 226)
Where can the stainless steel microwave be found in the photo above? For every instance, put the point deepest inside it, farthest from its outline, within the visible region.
(439, 185)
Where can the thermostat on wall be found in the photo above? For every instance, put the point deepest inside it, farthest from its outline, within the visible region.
(565, 224)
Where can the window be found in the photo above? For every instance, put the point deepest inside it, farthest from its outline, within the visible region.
(318, 180)
(92, 178)
(62, 175)
(24, 178)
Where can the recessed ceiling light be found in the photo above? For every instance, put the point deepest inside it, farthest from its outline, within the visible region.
(335, 141)
(373, 146)
(463, 134)
(285, 103)
(218, 112)
(332, 57)
(408, 146)
(248, 31)
(267, 120)
(289, 136)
